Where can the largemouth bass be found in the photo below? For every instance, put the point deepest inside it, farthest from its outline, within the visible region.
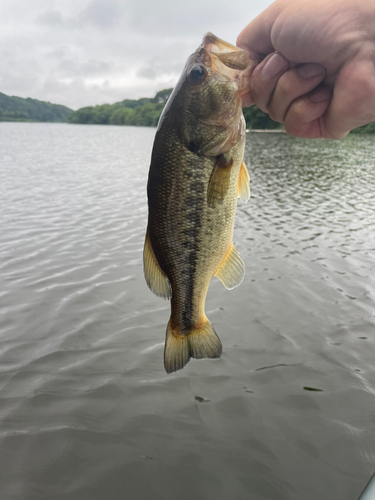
(196, 175)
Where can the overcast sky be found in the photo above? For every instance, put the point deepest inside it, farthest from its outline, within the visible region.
(86, 52)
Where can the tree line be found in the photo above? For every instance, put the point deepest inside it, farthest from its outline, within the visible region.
(137, 112)
(31, 110)
(146, 112)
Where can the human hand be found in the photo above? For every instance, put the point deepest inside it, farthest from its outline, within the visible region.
(316, 71)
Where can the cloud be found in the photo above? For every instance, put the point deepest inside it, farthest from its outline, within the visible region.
(91, 68)
(82, 52)
(155, 69)
(50, 18)
(103, 14)
(147, 72)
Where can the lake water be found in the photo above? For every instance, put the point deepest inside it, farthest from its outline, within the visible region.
(86, 409)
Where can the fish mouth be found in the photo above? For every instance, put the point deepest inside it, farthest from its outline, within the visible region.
(228, 63)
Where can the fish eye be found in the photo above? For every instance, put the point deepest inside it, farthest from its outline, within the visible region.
(197, 73)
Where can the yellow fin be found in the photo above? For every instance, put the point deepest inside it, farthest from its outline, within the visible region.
(156, 279)
(199, 343)
(232, 270)
(176, 351)
(204, 343)
(244, 183)
(219, 181)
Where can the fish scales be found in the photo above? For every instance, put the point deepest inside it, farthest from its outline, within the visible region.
(190, 233)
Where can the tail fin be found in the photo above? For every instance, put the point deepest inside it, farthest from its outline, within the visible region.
(199, 343)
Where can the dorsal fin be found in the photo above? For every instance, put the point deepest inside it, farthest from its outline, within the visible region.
(232, 269)
(156, 279)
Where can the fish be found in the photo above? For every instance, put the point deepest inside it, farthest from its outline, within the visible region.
(196, 174)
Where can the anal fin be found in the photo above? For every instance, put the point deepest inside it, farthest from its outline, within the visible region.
(232, 269)
(244, 183)
(156, 279)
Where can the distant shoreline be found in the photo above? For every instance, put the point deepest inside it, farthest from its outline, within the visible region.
(143, 112)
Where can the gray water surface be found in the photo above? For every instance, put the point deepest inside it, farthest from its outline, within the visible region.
(86, 409)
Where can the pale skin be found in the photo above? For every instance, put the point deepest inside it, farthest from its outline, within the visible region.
(320, 77)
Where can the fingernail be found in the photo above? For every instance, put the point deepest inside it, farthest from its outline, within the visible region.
(320, 96)
(274, 65)
(310, 70)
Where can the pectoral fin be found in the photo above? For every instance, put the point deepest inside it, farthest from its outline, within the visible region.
(244, 183)
(232, 270)
(156, 279)
(219, 182)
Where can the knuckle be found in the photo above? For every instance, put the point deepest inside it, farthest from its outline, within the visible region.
(291, 128)
(357, 82)
(294, 121)
(358, 101)
(260, 92)
(285, 86)
(274, 115)
(255, 89)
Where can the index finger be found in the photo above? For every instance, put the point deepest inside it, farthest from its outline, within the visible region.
(256, 37)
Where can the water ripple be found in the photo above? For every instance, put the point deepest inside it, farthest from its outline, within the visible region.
(86, 407)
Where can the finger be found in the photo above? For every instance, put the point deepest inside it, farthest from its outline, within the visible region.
(291, 85)
(304, 117)
(256, 37)
(265, 77)
(247, 100)
(353, 102)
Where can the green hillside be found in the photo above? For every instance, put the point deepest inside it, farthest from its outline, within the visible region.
(18, 109)
(144, 112)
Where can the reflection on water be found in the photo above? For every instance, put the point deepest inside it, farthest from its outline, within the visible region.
(87, 411)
